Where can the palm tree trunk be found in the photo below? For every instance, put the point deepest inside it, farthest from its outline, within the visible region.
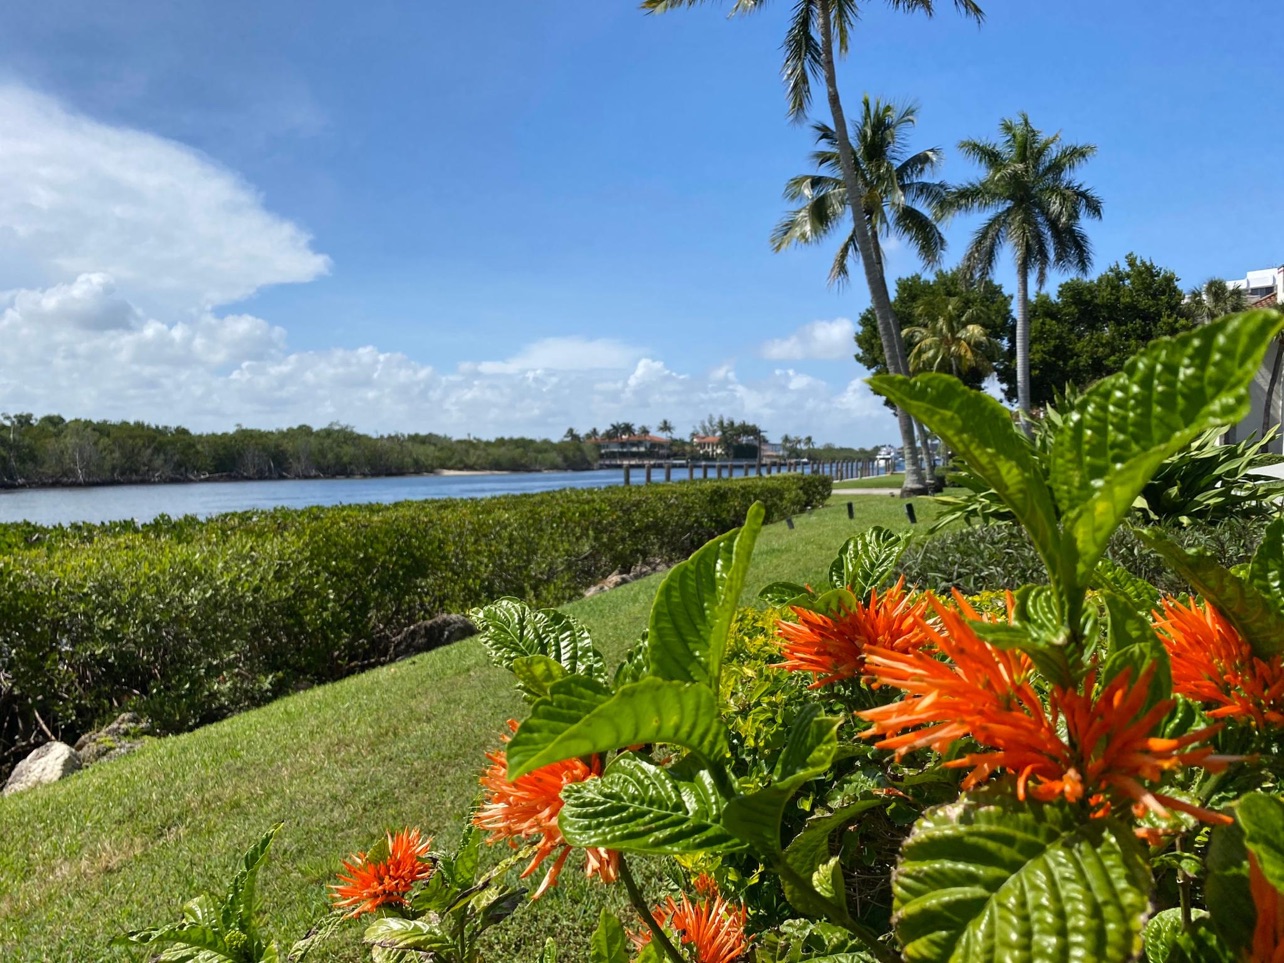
(1023, 339)
(929, 469)
(888, 330)
(1270, 387)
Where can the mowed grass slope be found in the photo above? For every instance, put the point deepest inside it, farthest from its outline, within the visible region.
(124, 844)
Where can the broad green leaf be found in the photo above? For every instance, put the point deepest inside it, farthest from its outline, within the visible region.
(980, 430)
(692, 613)
(781, 593)
(991, 878)
(610, 943)
(183, 942)
(467, 860)
(867, 561)
(1124, 426)
(510, 629)
(810, 849)
(809, 751)
(536, 673)
(632, 667)
(1253, 615)
(549, 954)
(1113, 576)
(1262, 819)
(241, 907)
(580, 717)
(1133, 646)
(395, 933)
(1266, 571)
(639, 807)
(1169, 941)
(494, 904)
(1226, 889)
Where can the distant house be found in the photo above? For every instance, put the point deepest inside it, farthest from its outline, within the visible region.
(642, 447)
(708, 446)
(772, 453)
(1264, 289)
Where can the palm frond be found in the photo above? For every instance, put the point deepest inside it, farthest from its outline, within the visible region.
(802, 57)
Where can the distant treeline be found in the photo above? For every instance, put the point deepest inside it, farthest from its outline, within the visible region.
(54, 451)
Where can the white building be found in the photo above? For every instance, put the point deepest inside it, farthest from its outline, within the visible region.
(1264, 289)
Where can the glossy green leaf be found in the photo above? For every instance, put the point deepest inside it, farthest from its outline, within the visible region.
(395, 933)
(240, 910)
(1266, 571)
(1168, 940)
(610, 943)
(639, 807)
(1113, 576)
(510, 629)
(809, 751)
(782, 593)
(322, 930)
(536, 674)
(1226, 889)
(990, 878)
(692, 613)
(1124, 426)
(811, 848)
(980, 430)
(868, 560)
(1262, 818)
(580, 717)
(1134, 647)
(1254, 616)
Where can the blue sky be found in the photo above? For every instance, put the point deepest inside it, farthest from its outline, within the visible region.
(490, 219)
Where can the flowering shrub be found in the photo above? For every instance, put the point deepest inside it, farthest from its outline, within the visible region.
(1086, 772)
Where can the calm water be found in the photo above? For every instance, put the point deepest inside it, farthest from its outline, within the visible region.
(55, 506)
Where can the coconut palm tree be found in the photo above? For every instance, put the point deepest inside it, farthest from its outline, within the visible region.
(948, 338)
(1035, 208)
(1214, 298)
(665, 427)
(898, 198)
(819, 33)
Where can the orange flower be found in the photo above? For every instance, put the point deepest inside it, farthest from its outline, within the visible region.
(712, 928)
(1214, 665)
(1095, 745)
(1268, 933)
(834, 649)
(528, 808)
(386, 882)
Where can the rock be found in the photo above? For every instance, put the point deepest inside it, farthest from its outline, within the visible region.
(49, 763)
(434, 633)
(618, 578)
(121, 737)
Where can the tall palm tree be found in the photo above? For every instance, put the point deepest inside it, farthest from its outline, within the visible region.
(898, 198)
(1035, 208)
(665, 428)
(819, 33)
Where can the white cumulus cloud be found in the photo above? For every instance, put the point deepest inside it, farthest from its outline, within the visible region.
(819, 340)
(173, 229)
(565, 354)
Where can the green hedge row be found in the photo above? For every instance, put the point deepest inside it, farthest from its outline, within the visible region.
(187, 621)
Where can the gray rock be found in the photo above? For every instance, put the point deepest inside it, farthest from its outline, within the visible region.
(435, 632)
(121, 737)
(49, 763)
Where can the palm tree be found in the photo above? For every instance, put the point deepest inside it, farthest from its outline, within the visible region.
(947, 338)
(1214, 298)
(897, 199)
(1037, 211)
(820, 32)
(665, 427)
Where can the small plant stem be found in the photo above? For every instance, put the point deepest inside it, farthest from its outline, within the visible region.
(639, 904)
(1183, 888)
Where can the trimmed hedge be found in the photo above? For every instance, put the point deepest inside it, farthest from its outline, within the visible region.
(986, 558)
(187, 621)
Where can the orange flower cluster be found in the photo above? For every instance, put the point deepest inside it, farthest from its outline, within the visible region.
(1095, 745)
(1268, 933)
(712, 928)
(386, 882)
(527, 809)
(834, 649)
(1214, 665)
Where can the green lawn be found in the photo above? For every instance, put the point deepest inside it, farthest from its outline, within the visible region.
(124, 844)
(894, 480)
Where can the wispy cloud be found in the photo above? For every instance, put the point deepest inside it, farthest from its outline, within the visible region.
(819, 340)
